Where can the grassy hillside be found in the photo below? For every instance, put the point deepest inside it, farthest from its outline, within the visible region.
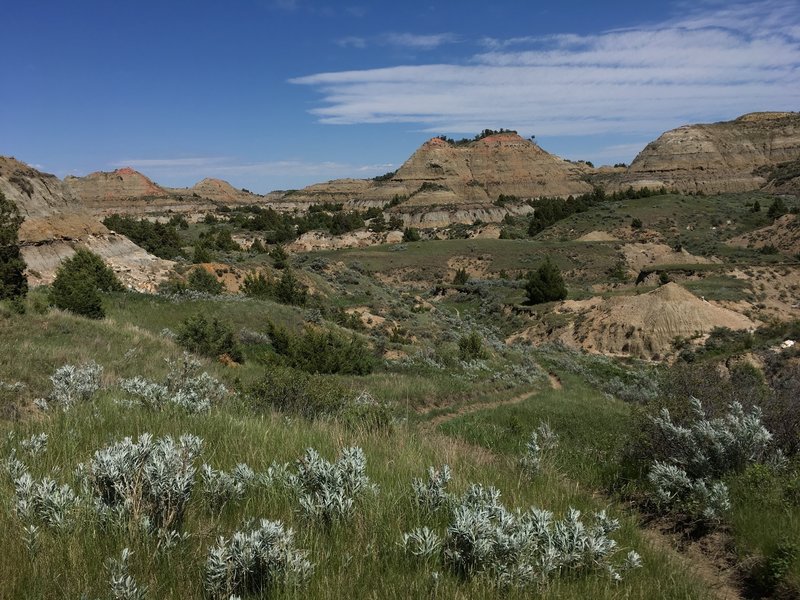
(350, 557)
(448, 373)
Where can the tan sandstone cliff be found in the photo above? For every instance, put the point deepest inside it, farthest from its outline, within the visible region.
(444, 183)
(730, 156)
(56, 223)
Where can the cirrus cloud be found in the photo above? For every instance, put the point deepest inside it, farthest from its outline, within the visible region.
(715, 62)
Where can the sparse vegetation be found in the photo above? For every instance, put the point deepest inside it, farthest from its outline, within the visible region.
(161, 239)
(211, 338)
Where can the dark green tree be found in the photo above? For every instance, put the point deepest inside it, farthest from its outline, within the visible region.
(279, 256)
(411, 235)
(395, 223)
(470, 347)
(777, 209)
(257, 247)
(545, 284)
(289, 290)
(257, 285)
(201, 253)
(79, 281)
(378, 224)
(201, 280)
(12, 266)
(461, 277)
(210, 338)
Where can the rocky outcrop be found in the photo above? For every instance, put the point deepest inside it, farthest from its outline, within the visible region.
(646, 325)
(121, 184)
(126, 191)
(56, 223)
(216, 190)
(783, 235)
(444, 183)
(353, 193)
(478, 172)
(731, 156)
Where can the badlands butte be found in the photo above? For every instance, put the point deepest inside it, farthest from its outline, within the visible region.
(658, 253)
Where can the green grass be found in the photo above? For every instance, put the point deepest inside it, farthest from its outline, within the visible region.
(591, 426)
(766, 513)
(700, 223)
(361, 559)
(429, 259)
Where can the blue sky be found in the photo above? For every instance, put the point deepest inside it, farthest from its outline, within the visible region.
(277, 94)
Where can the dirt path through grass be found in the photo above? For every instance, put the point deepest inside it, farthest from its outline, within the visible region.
(708, 558)
(466, 409)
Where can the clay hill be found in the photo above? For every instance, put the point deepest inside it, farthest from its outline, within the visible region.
(755, 151)
(783, 234)
(441, 172)
(56, 222)
(130, 192)
(216, 190)
(646, 325)
(445, 182)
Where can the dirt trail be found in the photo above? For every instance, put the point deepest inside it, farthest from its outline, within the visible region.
(467, 409)
(706, 558)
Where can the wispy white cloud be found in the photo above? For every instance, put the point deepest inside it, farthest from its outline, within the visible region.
(229, 167)
(352, 41)
(717, 61)
(420, 42)
(412, 41)
(168, 163)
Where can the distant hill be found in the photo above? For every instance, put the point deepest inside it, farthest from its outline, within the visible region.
(131, 192)
(56, 222)
(445, 182)
(730, 156)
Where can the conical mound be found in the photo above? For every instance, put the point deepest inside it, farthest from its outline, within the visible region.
(647, 325)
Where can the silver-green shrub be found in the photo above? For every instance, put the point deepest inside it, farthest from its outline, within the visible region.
(221, 487)
(185, 386)
(674, 489)
(539, 445)
(516, 548)
(432, 494)
(123, 585)
(328, 491)
(698, 454)
(35, 445)
(149, 481)
(44, 501)
(72, 385)
(422, 542)
(253, 562)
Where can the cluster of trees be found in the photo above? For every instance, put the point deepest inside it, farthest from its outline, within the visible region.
(483, 134)
(161, 239)
(213, 240)
(550, 210)
(279, 228)
(286, 290)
